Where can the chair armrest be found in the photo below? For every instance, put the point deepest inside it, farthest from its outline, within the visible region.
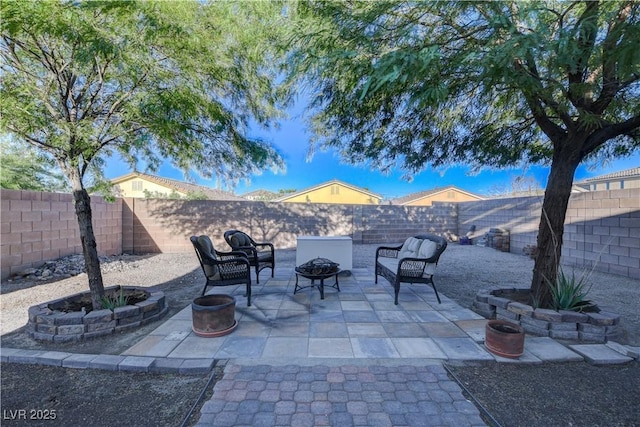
(231, 255)
(388, 251)
(234, 267)
(266, 244)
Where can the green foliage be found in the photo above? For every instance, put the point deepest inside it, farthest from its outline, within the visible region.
(23, 168)
(569, 292)
(484, 84)
(114, 300)
(148, 80)
(145, 80)
(174, 195)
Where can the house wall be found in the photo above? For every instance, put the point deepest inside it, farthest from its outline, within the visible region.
(126, 188)
(38, 227)
(449, 196)
(602, 226)
(615, 184)
(335, 194)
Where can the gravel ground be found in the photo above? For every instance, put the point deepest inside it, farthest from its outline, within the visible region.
(513, 395)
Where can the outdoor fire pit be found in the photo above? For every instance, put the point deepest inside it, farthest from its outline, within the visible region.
(318, 269)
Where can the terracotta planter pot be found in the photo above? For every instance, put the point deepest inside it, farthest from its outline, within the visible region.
(504, 338)
(213, 315)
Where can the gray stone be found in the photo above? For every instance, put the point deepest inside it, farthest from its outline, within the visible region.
(196, 366)
(72, 318)
(78, 361)
(537, 323)
(592, 329)
(136, 364)
(585, 336)
(573, 316)
(106, 361)
(519, 308)
(505, 314)
(126, 311)
(600, 354)
(70, 329)
(98, 316)
(498, 302)
(603, 318)
(530, 329)
(92, 327)
(68, 338)
(53, 358)
(563, 326)
(564, 334)
(546, 314)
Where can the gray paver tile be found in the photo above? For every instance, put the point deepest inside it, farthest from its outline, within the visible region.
(418, 348)
(330, 347)
(194, 347)
(548, 350)
(373, 347)
(462, 349)
(600, 354)
(284, 347)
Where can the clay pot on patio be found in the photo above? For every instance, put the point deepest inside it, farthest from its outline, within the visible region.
(213, 315)
(504, 338)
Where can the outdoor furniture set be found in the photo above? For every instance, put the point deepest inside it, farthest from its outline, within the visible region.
(413, 262)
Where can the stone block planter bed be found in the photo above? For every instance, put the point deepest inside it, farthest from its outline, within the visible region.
(53, 321)
(503, 304)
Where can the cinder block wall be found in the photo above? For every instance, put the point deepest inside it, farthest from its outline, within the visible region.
(602, 228)
(36, 227)
(165, 225)
(39, 226)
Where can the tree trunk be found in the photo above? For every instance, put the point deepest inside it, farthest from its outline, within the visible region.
(551, 229)
(88, 239)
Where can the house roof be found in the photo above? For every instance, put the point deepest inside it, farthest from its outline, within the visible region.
(180, 186)
(325, 184)
(633, 172)
(260, 195)
(427, 193)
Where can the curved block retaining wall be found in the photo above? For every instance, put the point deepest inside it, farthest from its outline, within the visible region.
(564, 324)
(46, 324)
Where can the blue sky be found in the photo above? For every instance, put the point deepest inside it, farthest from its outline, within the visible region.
(292, 141)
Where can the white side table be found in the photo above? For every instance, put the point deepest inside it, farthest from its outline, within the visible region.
(335, 248)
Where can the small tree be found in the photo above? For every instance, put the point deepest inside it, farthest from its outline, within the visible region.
(85, 80)
(484, 84)
(24, 168)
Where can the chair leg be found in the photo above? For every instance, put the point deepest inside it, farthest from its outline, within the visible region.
(257, 274)
(396, 290)
(433, 285)
(249, 292)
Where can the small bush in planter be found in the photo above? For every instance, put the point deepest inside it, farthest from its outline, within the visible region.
(569, 293)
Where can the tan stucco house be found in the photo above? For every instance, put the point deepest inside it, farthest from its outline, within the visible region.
(444, 194)
(141, 185)
(333, 191)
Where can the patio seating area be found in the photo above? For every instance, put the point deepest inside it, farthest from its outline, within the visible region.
(360, 321)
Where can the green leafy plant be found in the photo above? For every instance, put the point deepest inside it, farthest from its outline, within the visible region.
(570, 292)
(114, 300)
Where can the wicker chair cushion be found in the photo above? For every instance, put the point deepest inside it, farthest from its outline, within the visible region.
(410, 248)
(427, 249)
(207, 249)
(240, 239)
